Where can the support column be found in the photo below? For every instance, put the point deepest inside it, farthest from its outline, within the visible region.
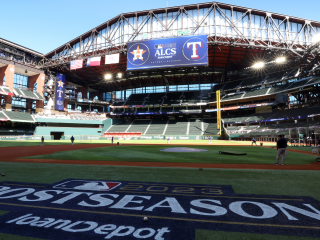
(8, 71)
(66, 101)
(39, 79)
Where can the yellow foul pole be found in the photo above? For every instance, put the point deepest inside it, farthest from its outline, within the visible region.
(218, 112)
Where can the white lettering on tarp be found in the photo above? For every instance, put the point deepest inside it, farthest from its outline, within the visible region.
(268, 212)
(129, 199)
(70, 196)
(42, 196)
(120, 232)
(62, 221)
(26, 192)
(102, 229)
(4, 188)
(161, 232)
(27, 220)
(283, 206)
(69, 228)
(99, 198)
(42, 223)
(85, 226)
(217, 211)
(138, 232)
(172, 203)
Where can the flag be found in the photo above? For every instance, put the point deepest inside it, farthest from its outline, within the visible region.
(76, 64)
(93, 61)
(113, 58)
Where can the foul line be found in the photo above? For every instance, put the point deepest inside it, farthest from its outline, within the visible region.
(170, 218)
(215, 196)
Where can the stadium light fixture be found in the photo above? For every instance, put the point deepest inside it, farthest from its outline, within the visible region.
(258, 65)
(316, 38)
(119, 75)
(280, 59)
(108, 76)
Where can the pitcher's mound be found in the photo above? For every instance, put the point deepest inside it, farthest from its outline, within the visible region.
(183, 149)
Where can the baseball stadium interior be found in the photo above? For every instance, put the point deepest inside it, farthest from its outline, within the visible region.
(266, 67)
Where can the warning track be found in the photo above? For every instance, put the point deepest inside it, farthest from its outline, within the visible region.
(15, 154)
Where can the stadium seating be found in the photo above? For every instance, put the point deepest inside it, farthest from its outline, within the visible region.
(139, 126)
(232, 85)
(154, 99)
(173, 98)
(136, 99)
(191, 97)
(157, 127)
(19, 116)
(235, 119)
(248, 82)
(120, 127)
(279, 88)
(232, 97)
(255, 93)
(195, 127)
(177, 127)
(210, 127)
(2, 116)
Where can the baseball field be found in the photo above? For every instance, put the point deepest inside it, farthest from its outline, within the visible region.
(136, 190)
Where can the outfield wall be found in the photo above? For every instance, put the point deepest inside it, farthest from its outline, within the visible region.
(68, 131)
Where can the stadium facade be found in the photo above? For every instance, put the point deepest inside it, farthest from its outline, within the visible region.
(266, 66)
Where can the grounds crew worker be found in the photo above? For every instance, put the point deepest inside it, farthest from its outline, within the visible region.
(281, 149)
(72, 140)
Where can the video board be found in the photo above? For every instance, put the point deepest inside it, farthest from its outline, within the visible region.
(168, 52)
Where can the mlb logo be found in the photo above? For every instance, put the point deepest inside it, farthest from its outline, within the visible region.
(84, 185)
(158, 46)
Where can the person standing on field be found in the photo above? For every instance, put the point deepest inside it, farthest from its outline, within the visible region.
(168, 140)
(72, 140)
(281, 149)
(254, 142)
(42, 141)
(210, 138)
(112, 140)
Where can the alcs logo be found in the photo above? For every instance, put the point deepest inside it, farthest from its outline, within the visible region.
(194, 49)
(138, 54)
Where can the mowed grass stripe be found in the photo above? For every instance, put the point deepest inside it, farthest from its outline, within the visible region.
(152, 153)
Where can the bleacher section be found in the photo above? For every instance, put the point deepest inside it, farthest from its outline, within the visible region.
(177, 127)
(23, 93)
(232, 97)
(191, 97)
(136, 99)
(18, 116)
(210, 127)
(120, 127)
(157, 127)
(255, 93)
(154, 99)
(139, 126)
(173, 98)
(2, 116)
(5, 89)
(195, 127)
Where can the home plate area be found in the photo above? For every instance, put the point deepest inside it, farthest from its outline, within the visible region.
(91, 209)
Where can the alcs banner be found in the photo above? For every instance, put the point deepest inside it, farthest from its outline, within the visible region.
(167, 52)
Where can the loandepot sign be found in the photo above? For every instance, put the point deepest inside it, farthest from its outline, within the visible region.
(162, 34)
(91, 209)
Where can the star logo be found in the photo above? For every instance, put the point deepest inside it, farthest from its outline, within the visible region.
(138, 53)
(60, 83)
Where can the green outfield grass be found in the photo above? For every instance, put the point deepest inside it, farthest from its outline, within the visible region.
(152, 153)
(275, 182)
(15, 143)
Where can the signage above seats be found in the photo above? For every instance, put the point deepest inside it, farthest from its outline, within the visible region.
(168, 52)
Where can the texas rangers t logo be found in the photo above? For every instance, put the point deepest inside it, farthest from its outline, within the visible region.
(194, 49)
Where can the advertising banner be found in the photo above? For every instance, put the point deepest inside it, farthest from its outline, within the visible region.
(60, 89)
(168, 52)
